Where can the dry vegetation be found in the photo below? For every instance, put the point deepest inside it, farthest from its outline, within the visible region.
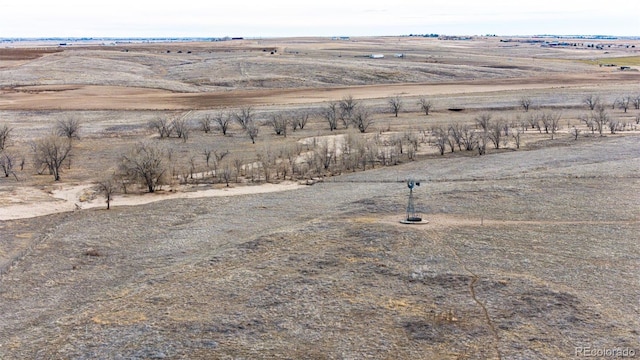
(529, 164)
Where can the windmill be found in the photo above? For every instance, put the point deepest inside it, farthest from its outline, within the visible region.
(412, 217)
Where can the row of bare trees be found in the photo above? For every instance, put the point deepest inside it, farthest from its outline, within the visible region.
(346, 112)
(624, 102)
(151, 165)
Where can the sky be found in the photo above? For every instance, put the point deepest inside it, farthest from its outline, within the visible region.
(278, 18)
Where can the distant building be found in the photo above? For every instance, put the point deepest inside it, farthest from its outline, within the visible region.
(376, 56)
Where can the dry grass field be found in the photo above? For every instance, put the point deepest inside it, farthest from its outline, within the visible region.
(530, 250)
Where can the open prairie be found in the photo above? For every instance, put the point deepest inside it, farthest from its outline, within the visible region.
(291, 247)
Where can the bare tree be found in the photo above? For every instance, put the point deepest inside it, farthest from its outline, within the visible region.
(279, 124)
(589, 122)
(5, 135)
(425, 105)
(181, 128)
(614, 125)
(551, 123)
(636, 102)
(207, 152)
(252, 131)
(107, 188)
(223, 120)
(624, 103)
(331, 115)
(483, 121)
(591, 101)
(456, 130)
(227, 172)
(325, 153)
(361, 118)
(575, 132)
(468, 138)
(51, 151)
(69, 128)
(238, 165)
(441, 139)
(600, 118)
(395, 104)
(494, 132)
(163, 126)
(244, 117)
(525, 102)
(482, 143)
(300, 119)
(534, 121)
(517, 137)
(347, 108)
(144, 163)
(7, 162)
(205, 123)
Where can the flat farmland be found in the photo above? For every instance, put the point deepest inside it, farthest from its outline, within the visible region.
(529, 251)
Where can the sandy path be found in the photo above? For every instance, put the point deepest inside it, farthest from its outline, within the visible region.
(68, 198)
